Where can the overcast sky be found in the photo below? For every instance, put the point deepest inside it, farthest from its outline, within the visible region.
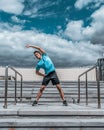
(71, 31)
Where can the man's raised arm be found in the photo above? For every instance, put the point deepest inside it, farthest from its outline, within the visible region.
(36, 47)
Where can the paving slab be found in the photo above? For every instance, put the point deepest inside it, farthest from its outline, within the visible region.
(52, 109)
(51, 122)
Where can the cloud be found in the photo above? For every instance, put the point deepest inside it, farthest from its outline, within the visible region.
(64, 53)
(77, 45)
(98, 25)
(17, 20)
(12, 6)
(76, 31)
(83, 3)
(38, 8)
(9, 27)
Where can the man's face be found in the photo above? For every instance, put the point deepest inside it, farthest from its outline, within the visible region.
(37, 55)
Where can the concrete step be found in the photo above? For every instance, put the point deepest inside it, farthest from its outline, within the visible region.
(51, 123)
(50, 94)
(52, 116)
(55, 109)
(53, 88)
(49, 100)
(55, 128)
(38, 82)
(50, 113)
(62, 82)
(71, 91)
(54, 92)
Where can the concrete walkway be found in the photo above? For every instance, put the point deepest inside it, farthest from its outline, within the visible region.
(51, 116)
(51, 109)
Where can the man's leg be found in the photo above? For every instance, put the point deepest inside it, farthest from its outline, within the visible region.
(39, 95)
(40, 92)
(60, 91)
(62, 94)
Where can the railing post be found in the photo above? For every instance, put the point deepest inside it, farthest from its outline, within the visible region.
(15, 88)
(6, 87)
(78, 101)
(98, 87)
(21, 91)
(86, 89)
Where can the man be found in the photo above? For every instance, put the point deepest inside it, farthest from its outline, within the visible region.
(50, 73)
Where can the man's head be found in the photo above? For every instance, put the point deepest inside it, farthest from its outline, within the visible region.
(37, 54)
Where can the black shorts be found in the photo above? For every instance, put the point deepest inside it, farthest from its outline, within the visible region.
(51, 76)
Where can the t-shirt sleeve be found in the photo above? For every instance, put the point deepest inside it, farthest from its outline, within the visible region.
(44, 54)
(37, 67)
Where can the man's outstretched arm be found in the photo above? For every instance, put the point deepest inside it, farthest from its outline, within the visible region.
(36, 47)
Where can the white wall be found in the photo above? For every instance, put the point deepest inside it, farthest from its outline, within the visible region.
(68, 74)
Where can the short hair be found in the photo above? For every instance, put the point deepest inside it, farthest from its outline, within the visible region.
(37, 52)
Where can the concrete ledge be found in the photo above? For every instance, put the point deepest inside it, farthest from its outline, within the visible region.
(26, 122)
(61, 113)
(11, 112)
(53, 116)
(51, 110)
(50, 113)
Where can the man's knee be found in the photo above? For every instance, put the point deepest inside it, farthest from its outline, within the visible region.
(42, 89)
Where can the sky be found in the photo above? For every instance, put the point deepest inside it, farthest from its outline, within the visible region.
(70, 31)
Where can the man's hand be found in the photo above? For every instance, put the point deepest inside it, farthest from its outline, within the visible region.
(40, 74)
(27, 46)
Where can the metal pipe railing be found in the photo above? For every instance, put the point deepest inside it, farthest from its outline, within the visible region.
(6, 85)
(86, 85)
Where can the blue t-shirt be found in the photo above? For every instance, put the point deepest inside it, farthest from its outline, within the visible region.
(46, 64)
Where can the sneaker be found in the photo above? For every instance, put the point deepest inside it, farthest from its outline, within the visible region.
(34, 103)
(65, 103)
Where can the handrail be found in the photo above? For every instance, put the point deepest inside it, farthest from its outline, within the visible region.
(86, 84)
(87, 71)
(6, 84)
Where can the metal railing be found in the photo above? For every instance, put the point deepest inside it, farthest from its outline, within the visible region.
(6, 85)
(86, 84)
